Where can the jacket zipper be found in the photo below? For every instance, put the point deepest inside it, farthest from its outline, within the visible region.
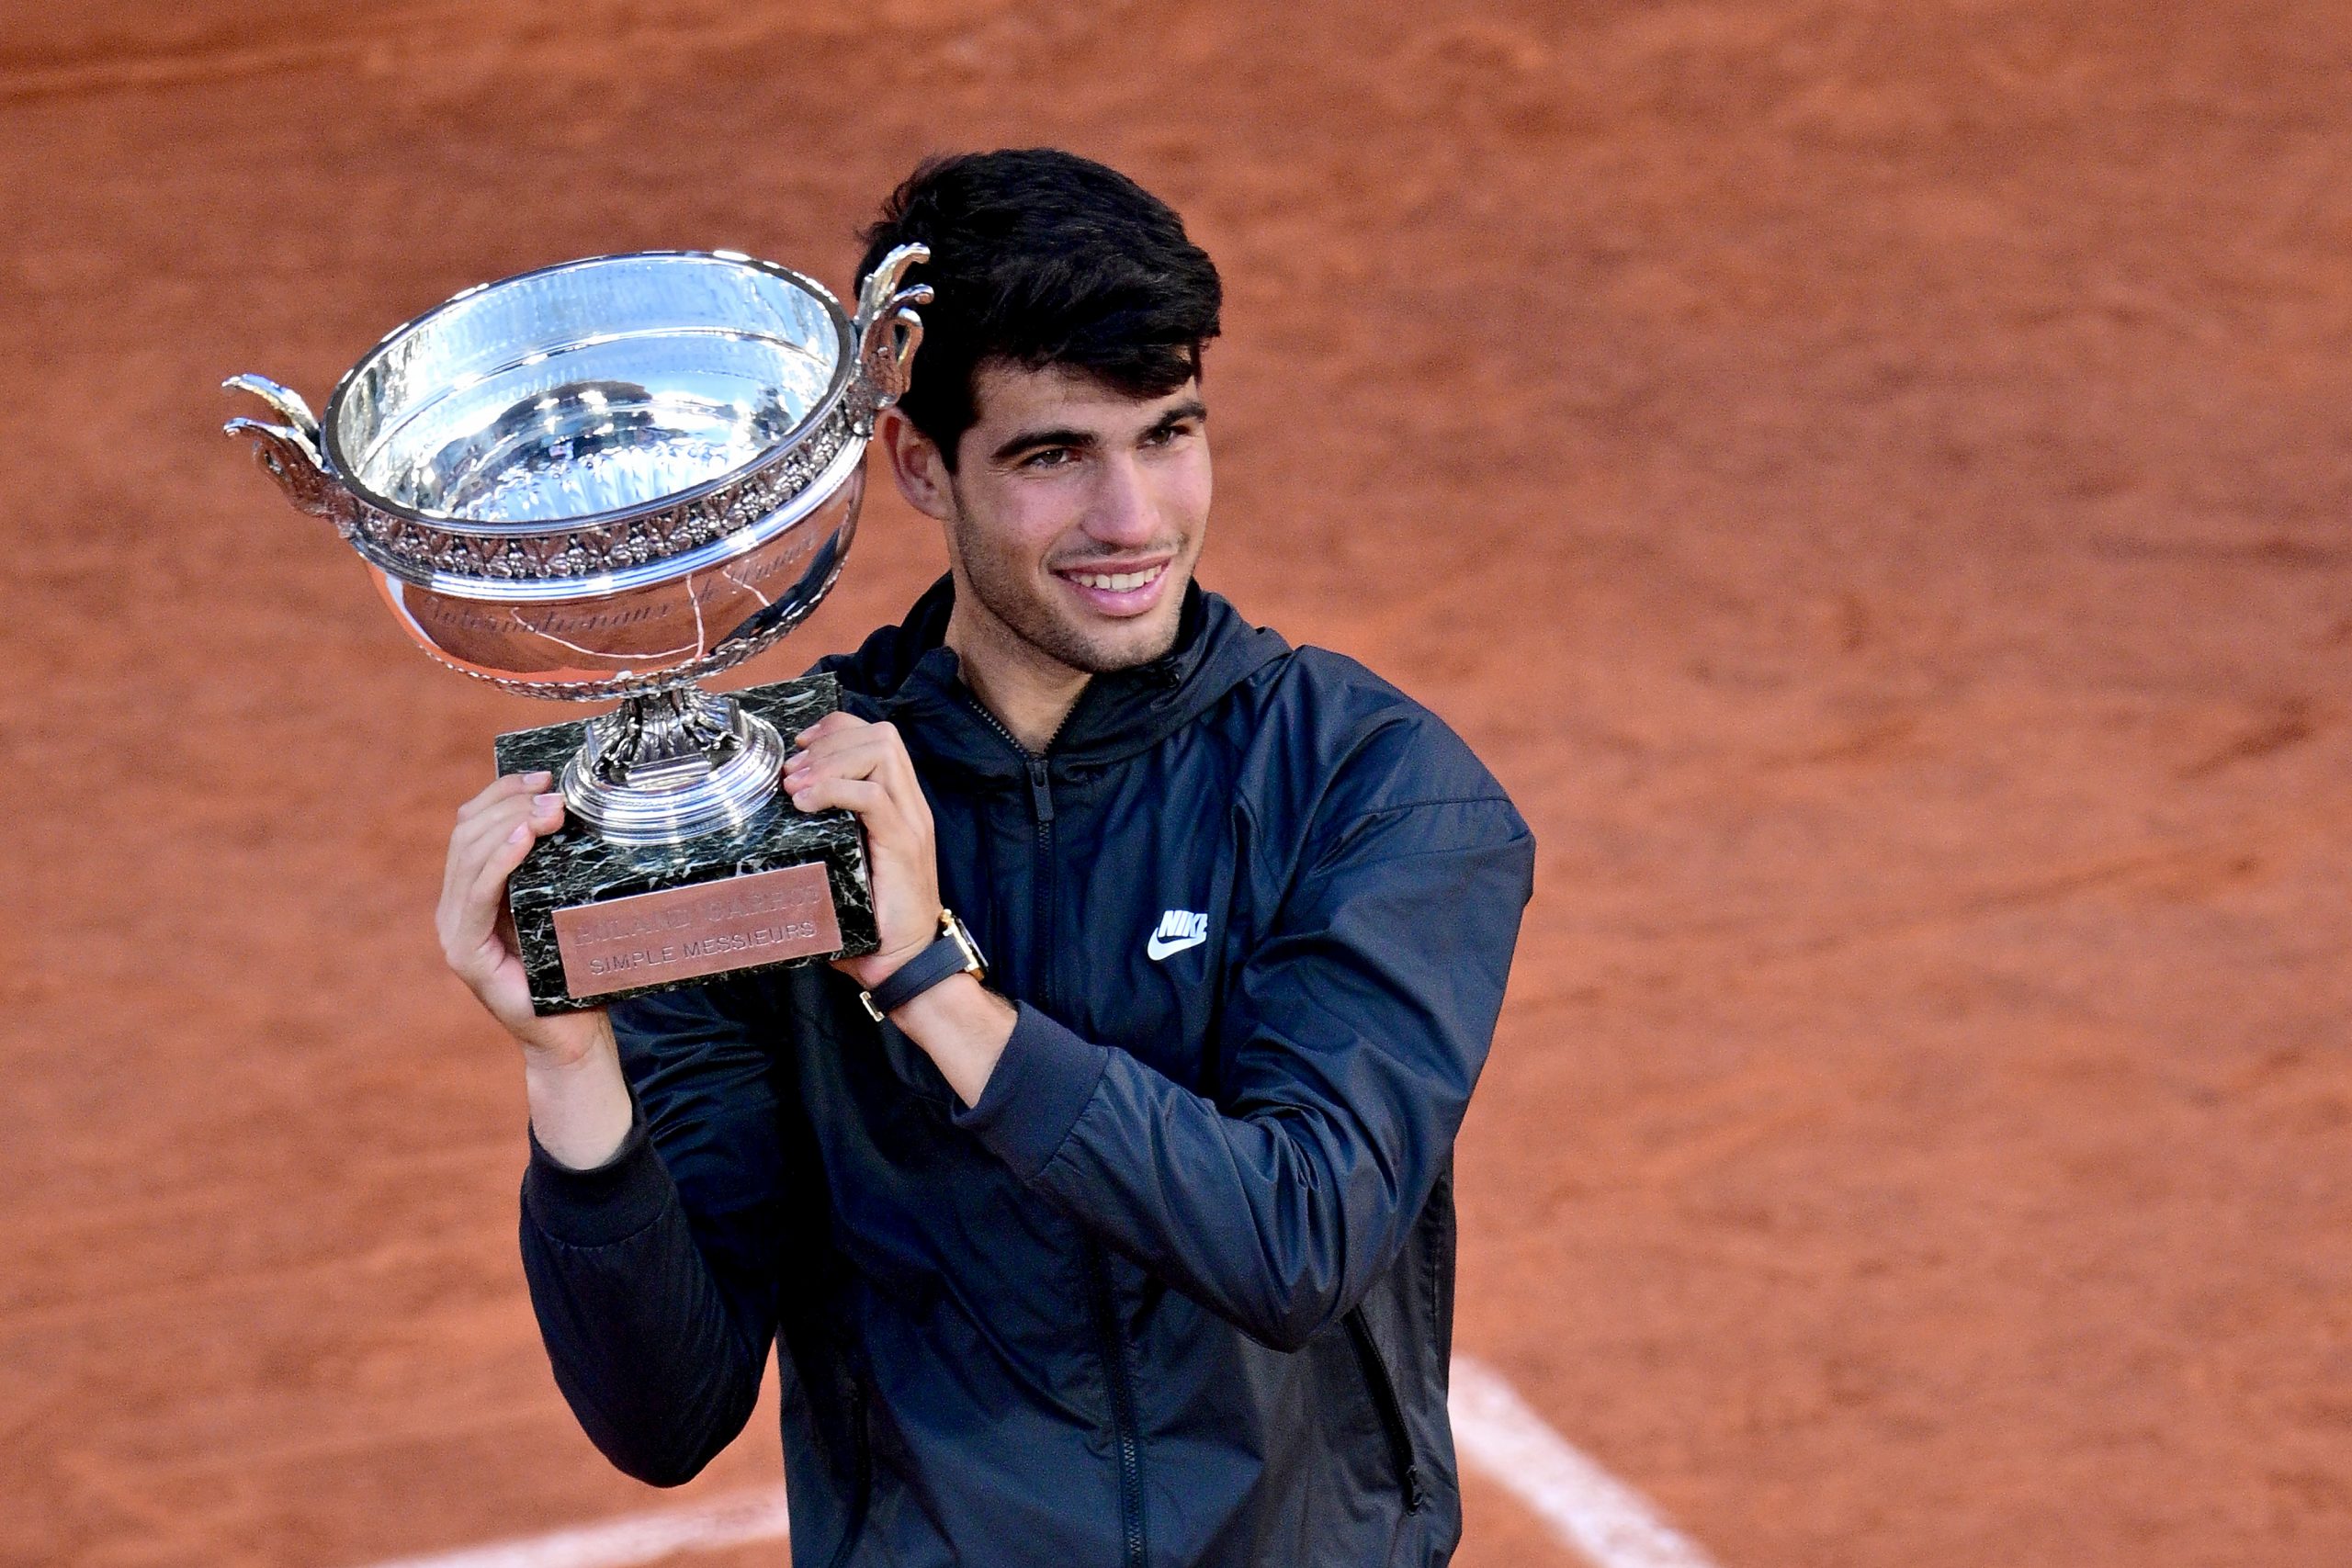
(1123, 1403)
(1111, 1343)
(1392, 1414)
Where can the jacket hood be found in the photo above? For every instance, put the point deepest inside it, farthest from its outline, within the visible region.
(907, 674)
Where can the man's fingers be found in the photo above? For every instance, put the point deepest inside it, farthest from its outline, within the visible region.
(505, 787)
(868, 742)
(833, 723)
(466, 841)
(856, 745)
(483, 853)
(865, 797)
(503, 795)
(859, 750)
(475, 833)
(472, 838)
(896, 787)
(476, 916)
(865, 768)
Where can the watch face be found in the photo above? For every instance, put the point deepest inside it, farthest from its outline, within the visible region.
(963, 938)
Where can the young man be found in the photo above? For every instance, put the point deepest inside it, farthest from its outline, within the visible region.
(1138, 1249)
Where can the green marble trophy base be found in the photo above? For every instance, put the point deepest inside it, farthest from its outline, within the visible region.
(615, 949)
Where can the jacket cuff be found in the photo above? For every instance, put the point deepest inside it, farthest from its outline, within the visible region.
(1033, 1096)
(605, 1203)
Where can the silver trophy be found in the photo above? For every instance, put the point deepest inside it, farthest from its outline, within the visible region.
(608, 479)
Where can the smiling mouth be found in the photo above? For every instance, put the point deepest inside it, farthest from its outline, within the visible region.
(1117, 581)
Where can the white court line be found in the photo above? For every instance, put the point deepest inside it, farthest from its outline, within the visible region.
(1603, 1518)
(625, 1542)
(1590, 1510)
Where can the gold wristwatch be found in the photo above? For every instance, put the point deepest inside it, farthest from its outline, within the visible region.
(953, 952)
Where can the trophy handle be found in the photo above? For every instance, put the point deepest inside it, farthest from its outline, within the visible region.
(286, 400)
(889, 331)
(288, 453)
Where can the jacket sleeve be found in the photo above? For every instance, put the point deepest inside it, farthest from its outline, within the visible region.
(652, 1274)
(1352, 1039)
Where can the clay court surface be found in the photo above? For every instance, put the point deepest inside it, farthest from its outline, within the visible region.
(1874, 480)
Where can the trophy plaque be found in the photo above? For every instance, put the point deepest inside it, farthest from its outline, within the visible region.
(607, 479)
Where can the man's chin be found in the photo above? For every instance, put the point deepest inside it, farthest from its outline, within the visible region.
(1099, 650)
(1128, 653)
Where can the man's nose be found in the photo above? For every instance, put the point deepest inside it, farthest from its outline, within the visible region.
(1125, 510)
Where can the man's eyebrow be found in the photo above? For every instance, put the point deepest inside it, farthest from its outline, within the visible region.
(1184, 411)
(1029, 440)
(1085, 440)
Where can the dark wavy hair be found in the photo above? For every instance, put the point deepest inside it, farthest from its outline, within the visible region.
(1040, 257)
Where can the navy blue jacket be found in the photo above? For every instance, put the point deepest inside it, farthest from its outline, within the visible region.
(1179, 1289)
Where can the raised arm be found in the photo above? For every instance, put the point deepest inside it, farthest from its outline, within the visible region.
(657, 1323)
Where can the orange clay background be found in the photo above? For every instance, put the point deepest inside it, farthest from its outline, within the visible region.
(1873, 477)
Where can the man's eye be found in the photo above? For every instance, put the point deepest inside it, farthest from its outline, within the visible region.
(1047, 458)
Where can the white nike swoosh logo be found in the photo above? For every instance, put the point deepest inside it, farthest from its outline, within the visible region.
(1159, 950)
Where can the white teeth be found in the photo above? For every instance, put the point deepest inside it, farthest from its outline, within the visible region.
(1115, 583)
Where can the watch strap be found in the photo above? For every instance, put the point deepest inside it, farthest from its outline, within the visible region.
(950, 955)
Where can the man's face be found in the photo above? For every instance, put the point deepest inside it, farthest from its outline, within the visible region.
(1078, 512)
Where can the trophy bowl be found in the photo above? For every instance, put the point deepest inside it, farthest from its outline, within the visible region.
(607, 479)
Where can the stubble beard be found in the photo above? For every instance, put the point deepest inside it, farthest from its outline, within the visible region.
(1005, 594)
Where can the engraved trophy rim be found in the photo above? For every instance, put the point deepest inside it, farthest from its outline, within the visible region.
(806, 499)
(346, 472)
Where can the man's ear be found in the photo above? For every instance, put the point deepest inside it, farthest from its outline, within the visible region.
(915, 464)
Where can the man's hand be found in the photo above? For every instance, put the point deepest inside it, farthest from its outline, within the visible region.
(571, 1068)
(844, 761)
(495, 830)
